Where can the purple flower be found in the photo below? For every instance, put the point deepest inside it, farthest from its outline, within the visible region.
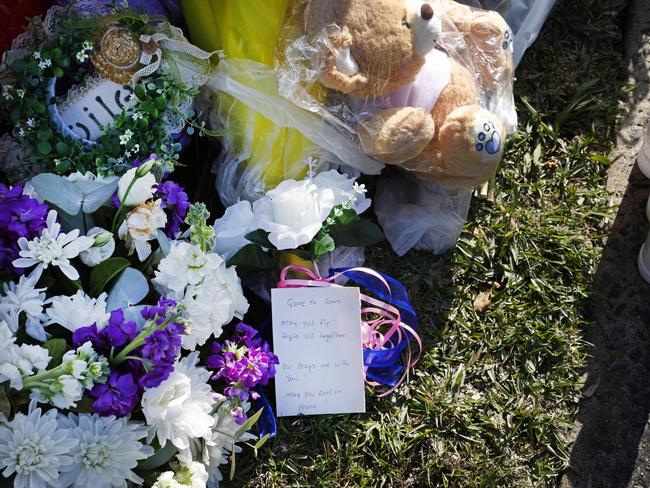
(239, 415)
(243, 363)
(20, 216)
(175, 204)
(116, 333)
(160, 311)
(117, 396)
(157, 375)
(163, 344)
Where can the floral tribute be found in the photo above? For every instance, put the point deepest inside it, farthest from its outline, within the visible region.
(123, 358)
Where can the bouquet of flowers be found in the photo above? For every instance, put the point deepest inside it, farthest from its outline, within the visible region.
(121, 358)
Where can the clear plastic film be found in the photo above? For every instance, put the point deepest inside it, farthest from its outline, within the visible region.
(423, 85)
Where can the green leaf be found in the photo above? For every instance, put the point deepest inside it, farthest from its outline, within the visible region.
(57, 348)
(5, 404)
(44, 148)
(44, 134)
(262, 441)
(58, 72)
(248, 424)
(346, 216)
(260, 237)
(251, 257)
(104, 272)
(61, 147)
(160, 457)
(358, 233)
(323, 245)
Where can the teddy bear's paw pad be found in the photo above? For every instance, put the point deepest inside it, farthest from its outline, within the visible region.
(488, 140)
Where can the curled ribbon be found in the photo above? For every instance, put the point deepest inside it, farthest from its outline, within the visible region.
(388, 324)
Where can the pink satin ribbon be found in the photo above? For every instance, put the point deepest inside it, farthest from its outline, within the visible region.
(385, 331)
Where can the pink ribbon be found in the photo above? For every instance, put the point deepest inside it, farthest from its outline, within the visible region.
(381, 324)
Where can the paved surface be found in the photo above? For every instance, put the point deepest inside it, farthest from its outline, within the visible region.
(612, 437)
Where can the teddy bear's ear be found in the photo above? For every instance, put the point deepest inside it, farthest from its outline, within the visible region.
(338, 68)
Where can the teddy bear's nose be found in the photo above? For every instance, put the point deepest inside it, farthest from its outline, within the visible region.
(426, 11)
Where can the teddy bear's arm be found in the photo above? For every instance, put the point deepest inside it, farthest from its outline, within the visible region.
(339, 71)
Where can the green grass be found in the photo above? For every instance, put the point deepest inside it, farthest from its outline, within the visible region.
(494, 395)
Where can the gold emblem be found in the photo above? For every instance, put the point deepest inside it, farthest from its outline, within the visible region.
(118, 54)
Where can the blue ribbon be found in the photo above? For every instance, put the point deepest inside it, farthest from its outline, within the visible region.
(383, 365)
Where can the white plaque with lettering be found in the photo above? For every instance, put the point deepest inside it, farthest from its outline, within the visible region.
(317, 337)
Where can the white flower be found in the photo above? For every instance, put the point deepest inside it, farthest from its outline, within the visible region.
(30, 122)
(16, 361)
(293, 212)
(21, 132)
(20, 92)
(35, 448)
(211, 305)
(37, 55)
(214, 450)
(106, 451)
(81, 56)
(136, 115)
(53, 247)
(87, 45)
(186, 474)
(231, 229)
(24, 297)
(45, 63)
(345, 189)
(141, 191)
(6, 92)
(141, 225)
(186, 264)
(78, 310)
(126, 137)
(100, 251)
(179, 408)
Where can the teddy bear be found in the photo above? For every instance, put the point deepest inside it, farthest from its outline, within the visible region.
(418, 76)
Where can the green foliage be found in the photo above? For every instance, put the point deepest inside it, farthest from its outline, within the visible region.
(496, 392)
(157, 105)
(102, 274)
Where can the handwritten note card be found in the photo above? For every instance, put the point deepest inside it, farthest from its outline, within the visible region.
(317, 336)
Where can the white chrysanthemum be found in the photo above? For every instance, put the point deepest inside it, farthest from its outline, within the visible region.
(214, 450)
(178, 409)
(186, 264)
(24, 297)
(211, 305)
(35, 448)
(140, 226)
(53, 247)
(16, 361)
(78, 310)
(106, 451)
(186, 474)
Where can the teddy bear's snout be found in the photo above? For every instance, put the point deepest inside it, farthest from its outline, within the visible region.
(426, 11)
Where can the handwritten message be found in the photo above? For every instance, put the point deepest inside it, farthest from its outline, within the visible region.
(317, 336)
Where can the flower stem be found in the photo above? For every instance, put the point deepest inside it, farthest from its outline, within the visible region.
(120, 211)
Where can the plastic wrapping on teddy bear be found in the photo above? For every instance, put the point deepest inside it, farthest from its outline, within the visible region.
(426, 86)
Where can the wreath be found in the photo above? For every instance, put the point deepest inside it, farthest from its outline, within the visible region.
(77, 53)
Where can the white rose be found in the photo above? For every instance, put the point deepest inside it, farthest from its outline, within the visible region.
(97, 254)
(343, 188)
(231, 229)
(293, 212)
(141, 191)
(140, 226)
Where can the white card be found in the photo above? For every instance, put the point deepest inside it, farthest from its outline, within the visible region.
(317, 337)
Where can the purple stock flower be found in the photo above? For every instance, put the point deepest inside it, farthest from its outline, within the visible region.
(117, 396)
(159, 311)
(239, 415)
(242, 363)
(116, 333)
(157, 375)
(175, 204)
(163, 344)
(20, 216)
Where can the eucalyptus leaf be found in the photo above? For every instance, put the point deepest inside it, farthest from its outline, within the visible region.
(56, 349)
(129, 289)
(104, 272)
(160, 457)
(97, 195)
(58, 191)
(163, 240)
